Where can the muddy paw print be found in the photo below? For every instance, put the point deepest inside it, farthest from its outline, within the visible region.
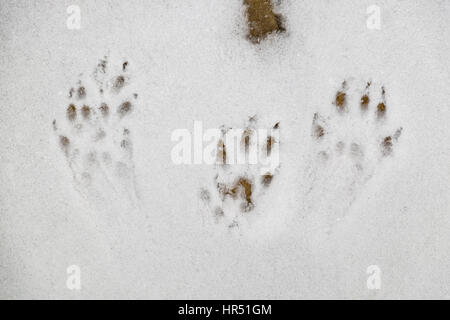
(350, 139)
(93, 132)
(244, 172)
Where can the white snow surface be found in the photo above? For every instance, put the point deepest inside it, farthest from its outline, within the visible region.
(139, 228)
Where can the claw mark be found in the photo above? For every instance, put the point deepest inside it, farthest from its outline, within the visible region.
(365, 98)
(340, 146)
(317, 129)
(64, 142)
(86, 112)
(81, 92)
(218, 213)
(266, 179)
(221, 152)
(104, 109)
(245, 140)
(106, 157)
(323, 156)
(71, 112)
(388, 142)
(101, 134)
(91, 158)
(125, 144)
(381, 108)
(364, 102)
(356, 150)
(340, 99)
(398, 133)
(125, 108)
(269, 143)
(387, 146)
(205, 195)
(119, 83)
(233, 225)
(102, 65)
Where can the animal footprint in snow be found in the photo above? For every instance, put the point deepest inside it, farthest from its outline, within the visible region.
(93, 133)
(247, 162)
(350, 139)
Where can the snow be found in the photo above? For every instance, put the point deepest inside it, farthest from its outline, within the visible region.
(147, 233)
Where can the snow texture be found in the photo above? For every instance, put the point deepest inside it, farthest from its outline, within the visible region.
(96, 187)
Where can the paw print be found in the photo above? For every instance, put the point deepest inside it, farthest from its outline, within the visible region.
(350, 139)
(236, 187)
(94, 136)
